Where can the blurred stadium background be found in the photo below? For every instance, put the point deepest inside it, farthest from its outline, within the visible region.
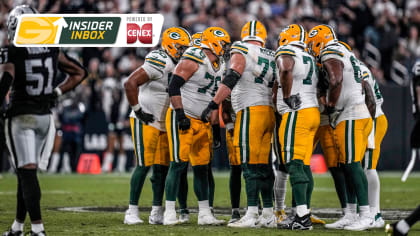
(383, 33)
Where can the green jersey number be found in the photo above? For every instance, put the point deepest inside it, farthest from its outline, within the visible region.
(308, 60)
(377, 91)
(213, 81)
(356, 69)
(267, 63)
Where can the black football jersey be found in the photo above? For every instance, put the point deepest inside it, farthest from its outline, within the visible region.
(35, 72)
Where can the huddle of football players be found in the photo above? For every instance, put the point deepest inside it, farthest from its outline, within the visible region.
(311, 89)
(313, 86)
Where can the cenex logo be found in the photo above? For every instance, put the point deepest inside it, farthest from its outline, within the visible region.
(144, 33)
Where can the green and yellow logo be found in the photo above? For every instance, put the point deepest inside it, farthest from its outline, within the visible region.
(67, 30)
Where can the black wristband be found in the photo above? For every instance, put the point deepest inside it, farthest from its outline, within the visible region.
(231, 78)
(212, 105)
(175, 85)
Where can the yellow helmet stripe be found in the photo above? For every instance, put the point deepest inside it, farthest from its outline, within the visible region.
(186, 31)
(251, 28)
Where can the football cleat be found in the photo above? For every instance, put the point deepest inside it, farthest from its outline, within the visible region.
(42, 233)
(391, 230)
(285, 223)
(301, 223)
(346, 220)
(132, 217)
(184, 216)
(249, 220)
(169, 218)
(156, 217)
(266, 221)
(363, 223)
(235, 217)
(205, 217)
(280, 216)
(316, 220)
(10, 232)
(378, 222)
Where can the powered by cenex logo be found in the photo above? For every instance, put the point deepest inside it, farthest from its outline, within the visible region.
(139, 28)
(88, 30)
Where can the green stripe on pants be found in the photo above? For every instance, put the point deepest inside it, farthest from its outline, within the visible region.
(286, 131)
(175, 138)
(292, 137)
(247, 134)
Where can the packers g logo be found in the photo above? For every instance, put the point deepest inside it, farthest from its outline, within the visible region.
(174, 35)
(38, 30)
(197, 42)
(219, 33)
(313, 33)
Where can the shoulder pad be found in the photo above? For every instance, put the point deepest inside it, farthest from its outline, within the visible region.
(240, 47)
(334, 49)
(285, 50)
(157, 58)
(194, 54)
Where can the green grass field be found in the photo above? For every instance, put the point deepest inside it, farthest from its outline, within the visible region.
(111, 191)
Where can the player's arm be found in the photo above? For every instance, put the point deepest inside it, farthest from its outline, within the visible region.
(334, 69)
(77, 73)
(182, 73)
(369, 98)
(7, 76)
(286, 63)
(237, 67)
(131, 87)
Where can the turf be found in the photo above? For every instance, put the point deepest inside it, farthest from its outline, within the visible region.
(112, 191)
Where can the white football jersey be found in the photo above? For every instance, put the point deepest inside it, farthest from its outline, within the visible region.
(200, 89)
(153, 95)
(254, 88)
(367, 76)
(305, 78)
(351, 98)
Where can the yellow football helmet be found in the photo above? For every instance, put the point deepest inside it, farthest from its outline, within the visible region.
(294, 35)
(254, 30)
(319, 36)
(175, 41)
(196, 39)
(216, 39)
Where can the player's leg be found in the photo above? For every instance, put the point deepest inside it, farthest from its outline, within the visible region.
(212, 186)
(145, 141)
(179, 149)
(122, 157)
(108, 158)
(235, 182)
(352, 149)
(184, 216)
(403, 226)
(263, 119)
(160, 170)
(241, 142)
(370, 162)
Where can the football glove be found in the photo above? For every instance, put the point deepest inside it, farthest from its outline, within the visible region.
(183, 121)
(293, 101)
(205, 115)
(144, 116)
(333, 115)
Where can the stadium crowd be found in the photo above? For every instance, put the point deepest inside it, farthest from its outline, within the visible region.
(383, 33)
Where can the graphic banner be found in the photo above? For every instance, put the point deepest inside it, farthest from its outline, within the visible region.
(88, 30)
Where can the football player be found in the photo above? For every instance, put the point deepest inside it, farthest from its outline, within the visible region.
(370, 161)
(250, 80)
(350, 118)
(146, 90)
(194, 82)
(29, 125)
(298, 104)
